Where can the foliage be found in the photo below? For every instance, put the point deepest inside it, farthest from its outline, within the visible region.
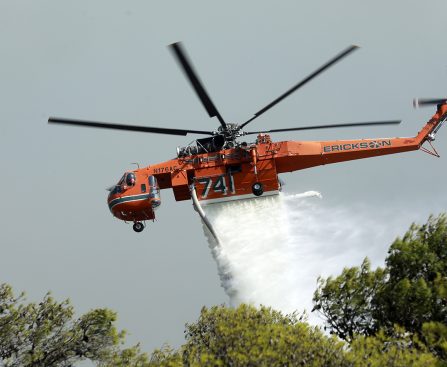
(129, 357)
(46, 334)
(397, 350)
(411, 291)
(247, 336)
(347, 301)
(416, 291)
(166, 357)
(435, 337)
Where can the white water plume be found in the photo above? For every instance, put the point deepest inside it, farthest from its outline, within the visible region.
(272, 249)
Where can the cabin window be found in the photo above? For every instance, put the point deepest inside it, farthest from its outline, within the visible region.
(130, 179)
(143, 187)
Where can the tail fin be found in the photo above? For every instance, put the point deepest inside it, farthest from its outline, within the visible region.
(431, 128)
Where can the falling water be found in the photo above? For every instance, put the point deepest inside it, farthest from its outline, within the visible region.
(272, 249)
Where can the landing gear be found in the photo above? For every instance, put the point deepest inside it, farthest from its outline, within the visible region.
(138, 227)
(257, 189)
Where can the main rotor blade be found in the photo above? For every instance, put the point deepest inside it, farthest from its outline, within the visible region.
(331, 62)
(391, 122)
(189, 71)
(144, 129)
(420, 102)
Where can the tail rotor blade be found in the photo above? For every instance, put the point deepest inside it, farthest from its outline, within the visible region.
(421, 102)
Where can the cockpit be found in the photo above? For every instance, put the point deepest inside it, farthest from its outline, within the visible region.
(135, 198)
(129, 179)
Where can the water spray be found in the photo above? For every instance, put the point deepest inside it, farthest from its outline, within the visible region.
(271, 250)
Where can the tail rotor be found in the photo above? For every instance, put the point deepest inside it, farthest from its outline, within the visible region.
(422, 102)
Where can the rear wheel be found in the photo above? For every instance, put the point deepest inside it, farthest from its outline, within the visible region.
(138, 227)
(257, 189)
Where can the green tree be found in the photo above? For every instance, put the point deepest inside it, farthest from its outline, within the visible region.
(435, 336)
(166, 357)
(347, 302)
(47, 334)
(248, 336)
(397, 350)
(416, 288)
(411, 291)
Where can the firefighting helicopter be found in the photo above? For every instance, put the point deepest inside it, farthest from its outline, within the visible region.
(220, 167)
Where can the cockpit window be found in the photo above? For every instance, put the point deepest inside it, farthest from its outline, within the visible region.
(130, 179)
(116, 190)
(121, 181)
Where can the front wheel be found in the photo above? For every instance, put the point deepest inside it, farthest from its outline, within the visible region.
(257, 189)
(138, 227)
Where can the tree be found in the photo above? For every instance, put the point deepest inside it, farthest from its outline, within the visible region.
(347, 302)
(46, 334)
(416, 289)
(248, 336)
(397, 350)
(435, 337)
(411, 291)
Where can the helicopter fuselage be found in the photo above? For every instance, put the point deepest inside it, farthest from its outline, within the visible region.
(232, 174)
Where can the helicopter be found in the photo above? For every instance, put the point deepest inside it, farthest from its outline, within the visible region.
(222, 166)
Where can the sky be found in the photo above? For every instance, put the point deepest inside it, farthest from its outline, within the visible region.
(108, 61)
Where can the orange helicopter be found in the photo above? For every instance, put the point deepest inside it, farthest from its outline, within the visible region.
(220, 167)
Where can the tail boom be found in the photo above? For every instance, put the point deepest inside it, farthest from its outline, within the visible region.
(294, 155)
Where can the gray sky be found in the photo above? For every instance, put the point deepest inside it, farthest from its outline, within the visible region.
(108, 61)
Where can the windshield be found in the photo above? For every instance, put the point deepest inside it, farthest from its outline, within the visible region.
(127, 180)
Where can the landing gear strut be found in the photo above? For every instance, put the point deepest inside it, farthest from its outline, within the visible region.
(138, 227)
